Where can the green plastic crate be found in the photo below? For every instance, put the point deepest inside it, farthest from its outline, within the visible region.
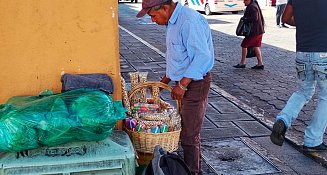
(112, 156)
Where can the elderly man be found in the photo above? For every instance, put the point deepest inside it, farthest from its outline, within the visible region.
(189, 58)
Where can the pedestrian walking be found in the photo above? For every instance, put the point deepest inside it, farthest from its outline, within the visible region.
(280, 7)
(189, 58)
(311, 66)
(253, 15)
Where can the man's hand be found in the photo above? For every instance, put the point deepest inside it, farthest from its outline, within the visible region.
(180, 88)
(288, 16)
(165, 80)
(177, 93)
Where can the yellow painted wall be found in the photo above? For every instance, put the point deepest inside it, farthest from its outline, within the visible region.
(41, 39)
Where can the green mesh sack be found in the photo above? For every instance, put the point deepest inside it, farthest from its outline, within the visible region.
(51, 119)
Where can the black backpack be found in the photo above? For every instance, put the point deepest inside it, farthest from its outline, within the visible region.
(165, 163)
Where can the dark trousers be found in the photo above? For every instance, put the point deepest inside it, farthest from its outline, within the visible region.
(194, 105)
(279, 13)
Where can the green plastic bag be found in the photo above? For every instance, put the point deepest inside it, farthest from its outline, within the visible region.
(52, 119)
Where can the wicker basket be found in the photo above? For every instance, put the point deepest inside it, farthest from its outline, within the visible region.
(144, 141)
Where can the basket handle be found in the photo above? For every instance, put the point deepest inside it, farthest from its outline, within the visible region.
(156, 84)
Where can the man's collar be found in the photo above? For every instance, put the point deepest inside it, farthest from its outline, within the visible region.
(175, 14)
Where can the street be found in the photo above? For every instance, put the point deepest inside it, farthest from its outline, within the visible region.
(260, 93)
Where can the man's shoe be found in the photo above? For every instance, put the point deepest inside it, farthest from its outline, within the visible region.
(284, 26)
(279, 26)
(258, 67)
(239, 66)
(320, 148)
(277, 135)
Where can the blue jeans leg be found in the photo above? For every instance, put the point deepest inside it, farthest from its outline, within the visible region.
(312, 70)
(313, 135)
(296, 102)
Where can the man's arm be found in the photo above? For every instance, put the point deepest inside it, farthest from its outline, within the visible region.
(185, 81)
(288, 17)
(165, 79)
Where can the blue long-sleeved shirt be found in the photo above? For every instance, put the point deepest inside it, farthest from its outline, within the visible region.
(190, 50)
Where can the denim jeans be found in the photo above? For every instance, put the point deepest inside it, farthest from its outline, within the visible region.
(312, 70)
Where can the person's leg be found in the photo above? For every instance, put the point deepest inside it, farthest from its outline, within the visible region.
(193, 110)
(313, 135)
(297, 100)
(278, 14)
(242, 63)
(259, 56)
(305, 90)
(244, 52)
(257, 44)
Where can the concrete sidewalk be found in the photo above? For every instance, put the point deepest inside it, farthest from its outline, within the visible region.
(235, 137)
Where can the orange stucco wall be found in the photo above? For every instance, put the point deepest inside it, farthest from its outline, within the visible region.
(42, 39)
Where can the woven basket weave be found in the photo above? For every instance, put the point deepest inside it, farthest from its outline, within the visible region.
(144, 141)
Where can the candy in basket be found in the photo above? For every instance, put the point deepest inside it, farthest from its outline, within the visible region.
(151, 121)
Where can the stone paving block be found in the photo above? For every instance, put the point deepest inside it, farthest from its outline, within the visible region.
(283, 97)
(233, 157)
(134, 50)
(125, 65)
(159, 70)
(215, 99)
(264, 96)
(279, 105)
(144, 69)
(137, 62)
(208, 124)
(122, 47)
(253, 128)
(211, 110)
(226, 107)
(292, 158)
(137, 44)
(270, 156)
(162, 65)
(213, 94)
(146, 59)
(127, 54)
(165, 95)
(216, 117)
(153, 65)
(154, 77)
(224, 124)
(130, 69)
(125, 75)
(219, 133)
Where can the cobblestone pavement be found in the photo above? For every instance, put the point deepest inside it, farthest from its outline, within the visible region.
(260, 93)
